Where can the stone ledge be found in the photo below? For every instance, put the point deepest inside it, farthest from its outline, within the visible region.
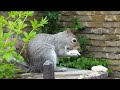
(70, 74)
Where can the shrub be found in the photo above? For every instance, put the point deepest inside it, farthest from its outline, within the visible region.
(11, 28)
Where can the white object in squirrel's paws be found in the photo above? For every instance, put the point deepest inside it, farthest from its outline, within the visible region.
(99, 68)
(73, 53)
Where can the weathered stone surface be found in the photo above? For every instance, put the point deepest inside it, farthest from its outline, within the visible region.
(115, 62)
(94, 75)
(108, 24)
(111, 37)
(100, 31)
(111, 56)
(85, 18)
(106, 55)
(115, 68)
(99, 54)
(85, 12)
(68, 24)
(70, 74)
(98, 18)
(111, 24)
(102, 37)
(94, 37)
(117, 17)
(114, 75)
(111, 43)
(102, 24)
(103, 43)
(94, 24)
(117, 31)
(94, 48)
(111, 12)
(68, 12)
(80, 18)
(65, 18)
(97, 43)
(110, 18)
(112, 49)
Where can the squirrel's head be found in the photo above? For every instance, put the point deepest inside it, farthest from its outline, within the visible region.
(72, 46)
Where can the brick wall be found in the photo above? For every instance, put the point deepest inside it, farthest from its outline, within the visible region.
(103, 31)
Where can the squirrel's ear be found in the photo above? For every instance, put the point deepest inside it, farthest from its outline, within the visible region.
(69, 31)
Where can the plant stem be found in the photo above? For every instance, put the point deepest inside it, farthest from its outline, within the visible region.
(17, 19)
(22, 48)
(24, 44)
(7, 18)
(25, 19)
(16, 37)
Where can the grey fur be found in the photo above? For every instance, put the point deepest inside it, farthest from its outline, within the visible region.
(48, 47)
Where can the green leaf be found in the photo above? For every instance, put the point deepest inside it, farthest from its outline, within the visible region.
(20, 14)
(20, 23)
(20, 58)
(7, 35)
(12, 43)
(43, 22)
(25, 40)
(23, 26)
(3, 45)
(26, 34)
(34, 24)
(1, 51)
(13, 14)
(19, 31)
(32, 35)
(28, 13)
(31, 22)
(11, 25)
(2, 21)
(11, 49)
(14, 54)
(1, 34)
(7, 56)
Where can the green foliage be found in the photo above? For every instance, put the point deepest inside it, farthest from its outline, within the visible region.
(7, 71)
(52, 27)
(15, 24)
(83, 41)
(82, 62)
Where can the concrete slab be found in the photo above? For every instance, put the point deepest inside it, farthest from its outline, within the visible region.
(69, 74)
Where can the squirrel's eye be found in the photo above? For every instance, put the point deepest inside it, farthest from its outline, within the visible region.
(74, 40)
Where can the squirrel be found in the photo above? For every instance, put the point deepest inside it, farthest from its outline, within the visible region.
(48, 47)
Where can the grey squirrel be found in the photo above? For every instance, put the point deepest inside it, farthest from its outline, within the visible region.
(48, 47)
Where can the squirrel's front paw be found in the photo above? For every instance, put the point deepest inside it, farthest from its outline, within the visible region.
(60, 69)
